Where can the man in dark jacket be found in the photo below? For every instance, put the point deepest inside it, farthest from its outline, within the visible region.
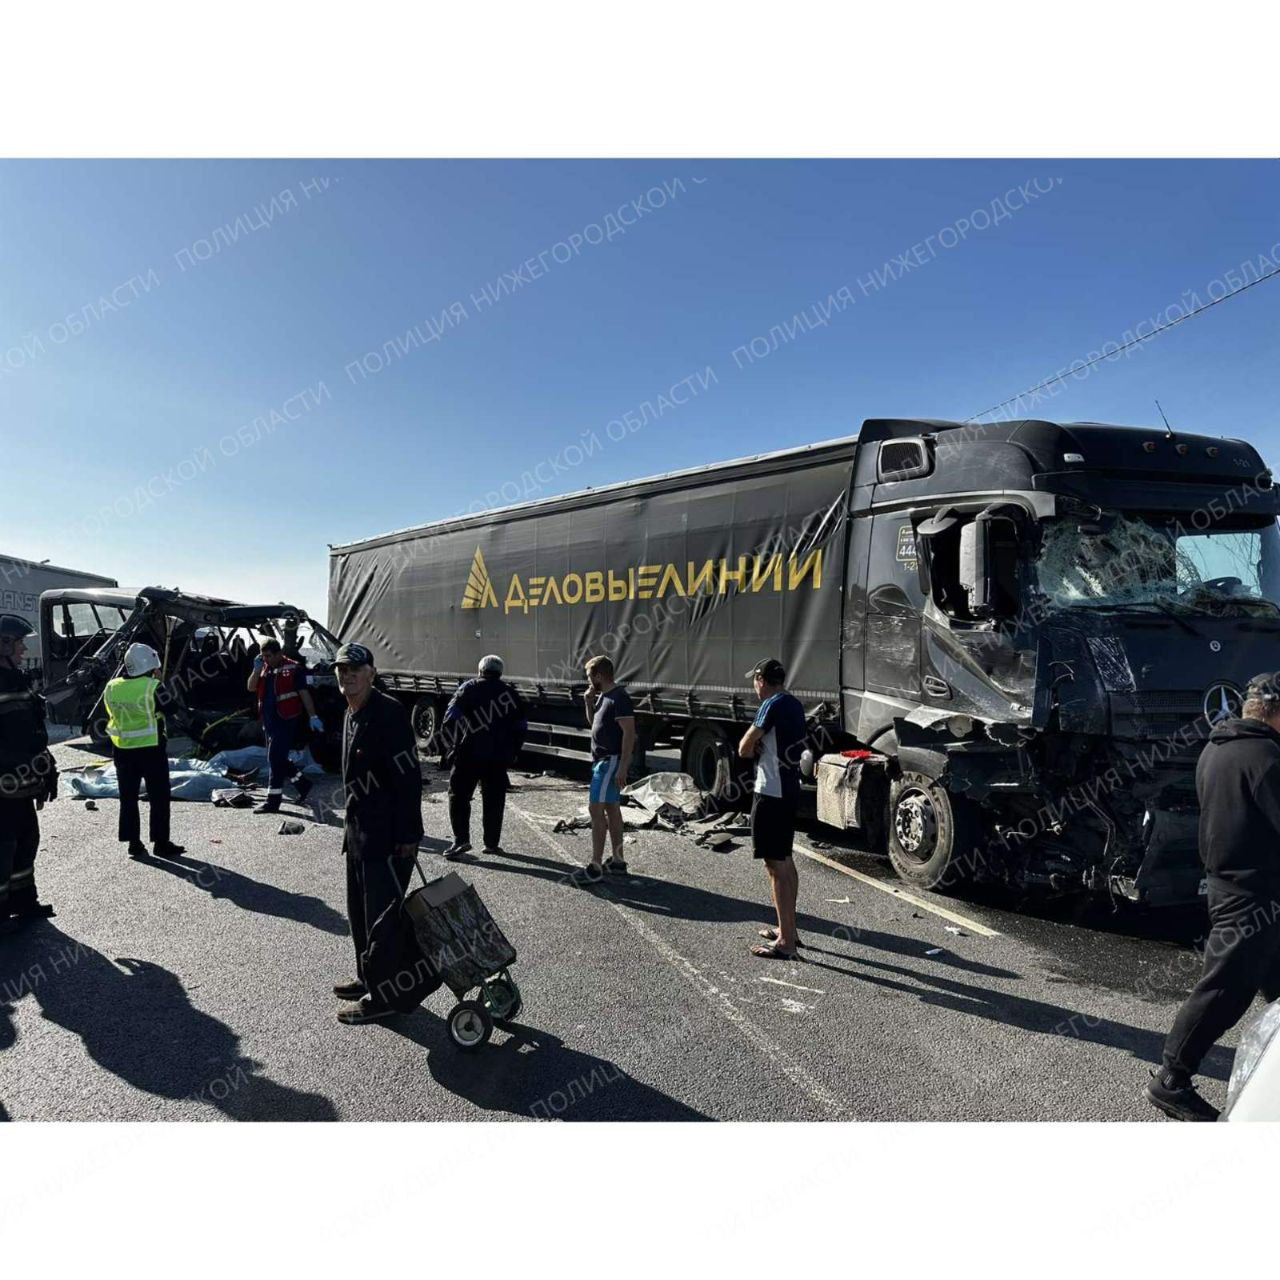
(484, 730)
(28, 778)
(1238, 785)
(382, 785)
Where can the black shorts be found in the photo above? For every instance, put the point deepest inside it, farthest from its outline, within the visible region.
(773, 826)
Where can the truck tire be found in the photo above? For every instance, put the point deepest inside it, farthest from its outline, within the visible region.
(426, 716)
(95, 730)
(930, 832)
(699, 753)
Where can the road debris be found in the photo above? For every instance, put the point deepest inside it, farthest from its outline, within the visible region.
(290, 828)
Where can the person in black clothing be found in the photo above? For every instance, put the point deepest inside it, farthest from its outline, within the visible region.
(1238, 785)
(484, 730)
(382, 785)
(28, 777)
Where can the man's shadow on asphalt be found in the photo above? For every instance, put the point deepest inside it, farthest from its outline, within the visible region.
(692, 902)
(1018, 1011)
(531, 1069)
(137, 1022)
(252, 895)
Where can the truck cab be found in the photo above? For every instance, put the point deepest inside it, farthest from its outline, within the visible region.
(1042, 623)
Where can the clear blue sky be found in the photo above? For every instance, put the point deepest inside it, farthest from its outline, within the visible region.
(151, 384)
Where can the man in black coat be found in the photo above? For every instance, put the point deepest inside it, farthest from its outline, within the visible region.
(382, 785)
(28, 777)
(484, 730)
(1238, 785)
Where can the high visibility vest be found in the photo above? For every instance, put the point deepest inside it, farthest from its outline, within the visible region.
(131, 712)
(289, 677)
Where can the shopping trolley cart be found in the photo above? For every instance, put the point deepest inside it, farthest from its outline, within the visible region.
(462, 943)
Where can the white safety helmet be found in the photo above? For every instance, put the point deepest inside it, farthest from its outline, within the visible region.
(141, 658)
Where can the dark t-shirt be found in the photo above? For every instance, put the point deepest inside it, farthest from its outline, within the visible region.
(606, 732)
(778, 765)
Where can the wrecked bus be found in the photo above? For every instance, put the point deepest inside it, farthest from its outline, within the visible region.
(206, 646)
(1021, 631)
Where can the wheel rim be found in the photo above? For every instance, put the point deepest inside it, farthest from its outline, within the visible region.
(424, 721)
(915, 824)
(468, 1028)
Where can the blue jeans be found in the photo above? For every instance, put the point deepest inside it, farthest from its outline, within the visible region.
(280, 734)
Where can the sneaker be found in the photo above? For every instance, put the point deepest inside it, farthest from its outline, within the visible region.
(350, 990)
(1178, 1098)
(365, 1011)
(269, 806)
(457, 852)
(168, 849)
(303, 787)
(137, 849)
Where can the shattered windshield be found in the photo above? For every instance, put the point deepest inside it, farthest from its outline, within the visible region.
(1156, 561)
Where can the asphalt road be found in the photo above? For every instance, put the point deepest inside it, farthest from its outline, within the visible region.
(200, 988)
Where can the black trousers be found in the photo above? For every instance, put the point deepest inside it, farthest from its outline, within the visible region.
(1241, 959)
(19, 840)
(133, 768)
(376, 878)
(492, 781)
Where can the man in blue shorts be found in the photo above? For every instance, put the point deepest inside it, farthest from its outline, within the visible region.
(613, 736)
(776, 742)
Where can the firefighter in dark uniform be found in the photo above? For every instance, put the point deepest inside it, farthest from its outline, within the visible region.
(28, 777)
(1238, 785)
(382, 786)
(484, 729)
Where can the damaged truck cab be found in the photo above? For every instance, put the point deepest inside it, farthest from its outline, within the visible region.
(1042, 624)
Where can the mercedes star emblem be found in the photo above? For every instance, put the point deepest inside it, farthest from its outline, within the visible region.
(1221, 702)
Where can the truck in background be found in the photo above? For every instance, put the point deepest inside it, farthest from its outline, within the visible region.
(1022, 631)
(22, 582)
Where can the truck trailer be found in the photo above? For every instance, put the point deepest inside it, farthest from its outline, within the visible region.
(1010, 639)
(22, 582)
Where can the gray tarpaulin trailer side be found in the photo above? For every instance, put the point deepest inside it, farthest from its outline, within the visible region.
(685, 580)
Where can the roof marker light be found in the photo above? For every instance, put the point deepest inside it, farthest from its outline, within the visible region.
(1073, 457)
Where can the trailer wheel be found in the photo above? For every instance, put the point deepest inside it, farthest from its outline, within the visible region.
(698, 755)
(930, 832)
(470, 1025)
(426, 723)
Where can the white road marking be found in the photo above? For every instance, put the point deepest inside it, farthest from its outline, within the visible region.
(981, 929)
(719, 1000)
(778, 982)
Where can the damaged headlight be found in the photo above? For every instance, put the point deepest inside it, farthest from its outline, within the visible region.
(1253, 1044)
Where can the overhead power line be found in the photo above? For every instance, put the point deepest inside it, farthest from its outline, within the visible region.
(1155, 333)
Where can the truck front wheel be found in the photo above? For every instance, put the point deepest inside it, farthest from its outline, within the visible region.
(931, 832)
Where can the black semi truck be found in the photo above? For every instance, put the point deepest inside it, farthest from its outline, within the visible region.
(1020, 632)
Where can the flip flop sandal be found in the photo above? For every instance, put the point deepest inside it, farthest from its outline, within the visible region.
(616, 866)
(771, 935)
(772, 952)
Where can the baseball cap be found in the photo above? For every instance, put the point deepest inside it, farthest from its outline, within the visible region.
(353, 655)
(770, 670)
(1265, 686)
